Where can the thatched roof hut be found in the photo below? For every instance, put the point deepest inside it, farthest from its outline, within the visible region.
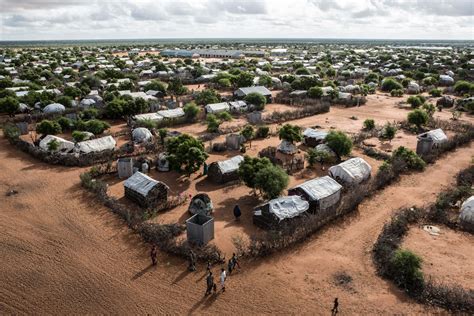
(275, 212)
(145, 191)
(225, 170)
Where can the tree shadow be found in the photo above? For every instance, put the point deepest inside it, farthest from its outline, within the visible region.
(142, 272)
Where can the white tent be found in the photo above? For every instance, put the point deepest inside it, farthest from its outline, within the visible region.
(155, 117)
(141, 134)
(467, 211)
(287, 207)
(238, 106)
(217, 107)
(230, 165)
(437, 136)
(352, 171)
(325, 190)
(64, 145)
(54, 108)
(140, 183)
(96, 145)
(173, 113)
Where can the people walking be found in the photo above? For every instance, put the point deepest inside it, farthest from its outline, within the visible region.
(235, 261)
(237, 212)
(192, 261)
(230, 266)
(222, 279)
(335, 308)
(209, 283)
(153, 254)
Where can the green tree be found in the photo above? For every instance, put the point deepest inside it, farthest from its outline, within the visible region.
(162, 132)
(315, 92)
(396, 93)
(156, 85)
(265, 80)
(136, 106)
(176, 87)
(369, 124)
(418, 118)
(9, 105)
(262, 132)
(290, 133)
(185, 153)
(191, 110)
(436, 92)
(389, 84)
(47, 127)
(340, 143)
(314, 155)
(207, 96)
(249, 167)
(389, 131)
(213, 123)
(225, 116)
(72, 92)
(406, 267)
(66, 123)
(224, 83)
(271, 180)
(94, 126)
(256, 99)
(64, 100)
(115, 108)
(409, 157)
(462, 87)
(248, 132)
(78, 136)
(244, 79)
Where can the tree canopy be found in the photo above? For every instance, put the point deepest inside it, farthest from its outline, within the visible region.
(339, 142)
(290, 133)
(185, 153)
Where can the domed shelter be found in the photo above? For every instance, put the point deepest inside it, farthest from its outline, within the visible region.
(413, 88)
(466, 217)
(141, 135)
(201, 204)
(351, 172)
(54, 108)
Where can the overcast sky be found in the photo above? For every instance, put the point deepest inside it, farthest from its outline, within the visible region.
(113, 19)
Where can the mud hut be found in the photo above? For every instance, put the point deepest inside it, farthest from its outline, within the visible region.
(225, 170)
(200, 229)
(274, 213)
(201, 204)
(313, 137)
(145, 191)
(323, 194)
(351, 172)
(466, 217)
(429, 141)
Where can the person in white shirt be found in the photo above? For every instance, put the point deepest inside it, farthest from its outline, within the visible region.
(223, 277)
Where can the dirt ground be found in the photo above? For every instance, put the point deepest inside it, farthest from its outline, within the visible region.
(447, 258)
(62, 253)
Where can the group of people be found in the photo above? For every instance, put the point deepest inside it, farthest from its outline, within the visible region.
(210, 284)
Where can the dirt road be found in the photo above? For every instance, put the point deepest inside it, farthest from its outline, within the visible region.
(60, 252)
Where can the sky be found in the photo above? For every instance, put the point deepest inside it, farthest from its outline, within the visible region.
(128, 19)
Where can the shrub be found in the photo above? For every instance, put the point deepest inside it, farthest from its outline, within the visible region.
(78, 136)
(369, 124)
(256, 99)
(47, 127)
(262, 132)
(96, 127)
(396, 93)
(390, 84)
(66, 123)
(271, 180)
(207, 96)
(429, 108)
(415, 101)
(248, 132)
(156, 85)
(265, 80)
(53, 145)
(409, 157)
(115, 108)
(11, 132)
(340, 143)
(225, 116)
(418, 117)
(162, 132)
(147, 123)
(290, 133)
(90, 113)
(9, 105)
(436, 92)
(213, 123)
(191, 110)
(408, 273)
(65, 100)
(315, 92)
(389, 131)
(313, 156)
(461, 87)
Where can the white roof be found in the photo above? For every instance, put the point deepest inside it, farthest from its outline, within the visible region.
(54, 108)
(467, 210)
(140, 183)
(96, 145)
(141, 134)
(437, 135)
(230, 165)
(217, 107)
(320, 188)
(148, 116)
(64, 145)
(354, 170)
(288, 206)
(173, 113)
(312, 133)
(247, 90)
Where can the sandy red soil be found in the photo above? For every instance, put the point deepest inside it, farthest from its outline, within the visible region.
(447, 258)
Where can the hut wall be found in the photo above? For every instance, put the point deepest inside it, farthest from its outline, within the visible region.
(312, 142)
(200, 229)
(214, 173)
(125, 167)
(156, 196)
(424, 146)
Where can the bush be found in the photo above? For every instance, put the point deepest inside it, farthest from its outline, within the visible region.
(256, 99)
(207, 96)
(249, 167)
(213, 123)
(262, 132)
(409, 157)
(191, 110)
(429, 108)
(462, 87)
(408, 270)
(396, 93)
(389, 131)
(47, 127)
(225, 116)
(390, 84)
(369, 124)
(436, 92)
(248, 132)
(313, 156)
(115, 108)
(65, 100)
(66, 123)
(11, 132)
(78, 136)
(418, 117)
(290, 133)
(156, 85)
(415, 101)
(90, 113)
(265, 80)
(53, 145)
(271, 180)
(147, 123)
(340, 143)
(9, 105)
(315, 92)
(96, 127)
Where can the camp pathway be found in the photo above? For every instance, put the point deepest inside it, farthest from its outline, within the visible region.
(61, 252)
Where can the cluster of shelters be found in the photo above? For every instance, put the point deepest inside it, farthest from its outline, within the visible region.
(97, 145)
